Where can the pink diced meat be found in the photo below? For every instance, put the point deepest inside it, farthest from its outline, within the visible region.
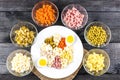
(57, 63)
(73, 18)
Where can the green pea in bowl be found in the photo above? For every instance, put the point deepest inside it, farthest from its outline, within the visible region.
(97, 34)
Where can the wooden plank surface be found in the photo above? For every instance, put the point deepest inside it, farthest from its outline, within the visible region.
(90, 5)
(11, 77)
(103, 77)
(107, 11)
(78, 77)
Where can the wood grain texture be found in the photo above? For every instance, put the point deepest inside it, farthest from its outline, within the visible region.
(94, 5)
(78, 77)
(90, 5)
(19, 5)
(11, 77)
(103, 77)
(107, 11)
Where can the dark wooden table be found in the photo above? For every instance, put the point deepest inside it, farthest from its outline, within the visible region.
(107, 11)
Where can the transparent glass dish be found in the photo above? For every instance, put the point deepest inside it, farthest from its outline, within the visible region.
(104, 26)
(17, 26)
(81, 9)
(106, 62)
(9, 65)
(39, 5)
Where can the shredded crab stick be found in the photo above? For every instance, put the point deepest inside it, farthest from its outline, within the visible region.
(45, 15)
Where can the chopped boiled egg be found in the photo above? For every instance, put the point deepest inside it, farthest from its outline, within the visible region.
(42, 62)
(70, 39)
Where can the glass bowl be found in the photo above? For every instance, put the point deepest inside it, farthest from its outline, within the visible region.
(106, 62)
(104, 26)
(17, 26)
(9, 64)
(39, 5)
(81, 9)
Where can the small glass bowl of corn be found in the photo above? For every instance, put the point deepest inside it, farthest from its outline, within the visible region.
(96, 62)
(23, 34)
(97, 34)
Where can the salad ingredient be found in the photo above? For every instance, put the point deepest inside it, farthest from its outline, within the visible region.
(73, 18)
(20, 63)
(62, 43)
(95, 62)
(24, 37)
(45, 15)
(70, 39)
(96, 35)
(50, 41)
(60, 56)
(56, 38)
(57, 62)
(42, 62)
(67, 55)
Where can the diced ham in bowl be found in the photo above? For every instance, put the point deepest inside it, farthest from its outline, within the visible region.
(74, 16)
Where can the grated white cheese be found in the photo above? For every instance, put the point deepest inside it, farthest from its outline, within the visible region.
(20, 63)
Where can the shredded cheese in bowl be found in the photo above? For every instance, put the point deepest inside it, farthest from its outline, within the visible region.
(96, 62)
(20, 63)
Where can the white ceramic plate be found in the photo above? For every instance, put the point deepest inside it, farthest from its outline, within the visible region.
(77, 55)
